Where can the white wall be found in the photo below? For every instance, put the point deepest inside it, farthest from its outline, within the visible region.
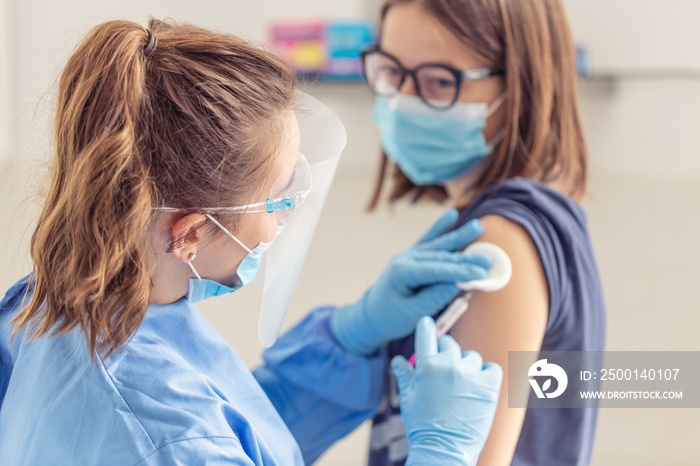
(6, 75)
(644, 121)
(643, 126)
(629, 34)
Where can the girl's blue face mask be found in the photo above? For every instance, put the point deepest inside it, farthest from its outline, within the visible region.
(203, 288)
(433, 146)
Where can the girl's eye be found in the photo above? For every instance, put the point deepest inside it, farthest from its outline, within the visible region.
(442, 83)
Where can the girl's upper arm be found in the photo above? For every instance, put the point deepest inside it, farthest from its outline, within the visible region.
(511, 319)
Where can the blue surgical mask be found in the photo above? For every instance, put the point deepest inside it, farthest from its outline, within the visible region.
(203, 288)
(433, 146)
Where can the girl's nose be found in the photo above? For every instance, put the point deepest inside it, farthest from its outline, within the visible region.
(408, 86)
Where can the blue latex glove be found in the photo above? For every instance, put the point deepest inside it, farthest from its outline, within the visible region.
(448, 401)
(416, 283)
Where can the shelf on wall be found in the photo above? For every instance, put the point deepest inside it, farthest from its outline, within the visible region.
(640, 74)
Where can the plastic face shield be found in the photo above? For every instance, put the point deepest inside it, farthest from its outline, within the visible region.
(294, 206)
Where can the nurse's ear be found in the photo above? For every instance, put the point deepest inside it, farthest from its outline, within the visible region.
(185, 235)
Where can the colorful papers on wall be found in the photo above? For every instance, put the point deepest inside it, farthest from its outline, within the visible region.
(324, 49)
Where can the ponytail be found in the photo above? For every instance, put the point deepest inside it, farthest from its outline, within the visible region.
(87, 249)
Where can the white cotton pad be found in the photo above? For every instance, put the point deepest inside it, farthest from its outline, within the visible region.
(499, 273)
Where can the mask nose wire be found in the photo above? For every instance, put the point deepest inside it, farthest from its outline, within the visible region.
(248, 250)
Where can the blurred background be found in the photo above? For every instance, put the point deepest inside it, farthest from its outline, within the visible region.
(640, 102)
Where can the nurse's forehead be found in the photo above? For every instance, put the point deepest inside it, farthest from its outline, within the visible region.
(286, 159)
(415, 36)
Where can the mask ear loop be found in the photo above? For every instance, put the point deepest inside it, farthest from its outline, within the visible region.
(190, 258)
(247, 249)
(501, 135)
(496, 104)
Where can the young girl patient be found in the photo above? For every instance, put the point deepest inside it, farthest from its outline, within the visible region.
(476, 108)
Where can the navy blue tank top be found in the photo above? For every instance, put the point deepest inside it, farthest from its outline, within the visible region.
(576, 322)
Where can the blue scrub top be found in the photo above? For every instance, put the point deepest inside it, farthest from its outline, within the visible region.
(178, 394)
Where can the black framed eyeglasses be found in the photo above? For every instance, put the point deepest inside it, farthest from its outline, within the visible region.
(437, 85)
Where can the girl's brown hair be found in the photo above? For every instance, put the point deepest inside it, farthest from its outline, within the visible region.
(531, 41)
(194, 122)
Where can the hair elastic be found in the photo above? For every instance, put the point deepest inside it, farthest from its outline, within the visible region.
(151, 44)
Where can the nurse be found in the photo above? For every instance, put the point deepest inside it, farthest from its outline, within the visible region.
(179, 161)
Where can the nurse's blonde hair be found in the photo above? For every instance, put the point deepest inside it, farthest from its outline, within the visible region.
(172, 115)
(531, 41)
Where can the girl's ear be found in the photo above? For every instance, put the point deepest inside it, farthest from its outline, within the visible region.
(185, 235)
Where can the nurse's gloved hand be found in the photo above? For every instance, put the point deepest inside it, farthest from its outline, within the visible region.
(416, 283)
(448, 401)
